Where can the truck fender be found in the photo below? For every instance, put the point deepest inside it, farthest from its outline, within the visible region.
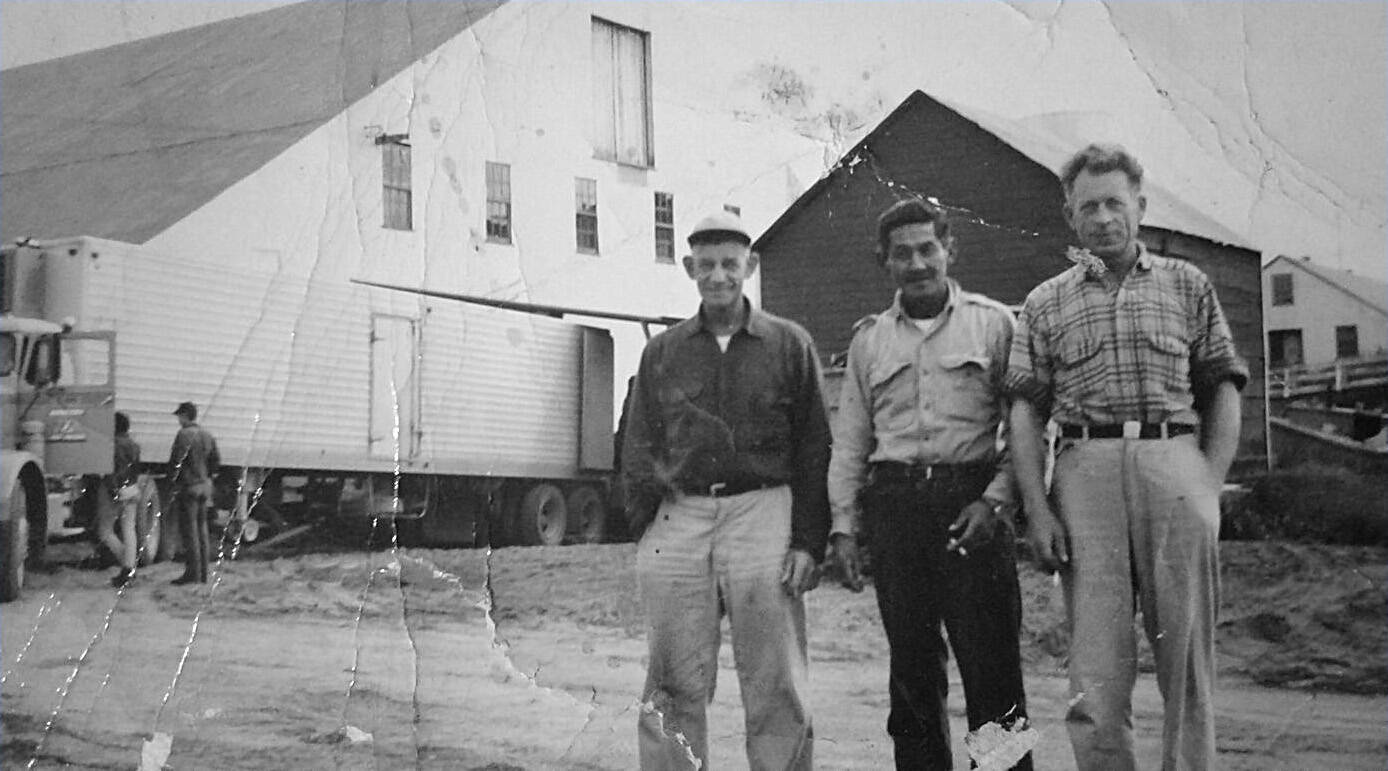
(18, 467)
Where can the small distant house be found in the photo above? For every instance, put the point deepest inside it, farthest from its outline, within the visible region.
(1318, 315)
(998, 181)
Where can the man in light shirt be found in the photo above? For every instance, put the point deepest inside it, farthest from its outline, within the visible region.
(916, 458)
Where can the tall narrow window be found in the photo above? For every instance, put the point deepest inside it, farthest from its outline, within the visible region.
(1282, 289)
(397, 196)
(621, 94)
(499, 202)
(665, 228)
(1347, 342)
(586, 214)
(731, 209)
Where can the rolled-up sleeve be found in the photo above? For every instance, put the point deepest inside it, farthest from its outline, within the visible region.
(1213, 356)
(1029, 366)
(853, 443)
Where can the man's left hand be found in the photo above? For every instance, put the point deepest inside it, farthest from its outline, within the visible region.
(973, 528)
(798, 574)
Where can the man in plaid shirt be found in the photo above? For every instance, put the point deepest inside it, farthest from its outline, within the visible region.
(1131, 355)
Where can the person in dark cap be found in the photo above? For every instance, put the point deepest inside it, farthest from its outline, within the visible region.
(724, 461)
(193, 462)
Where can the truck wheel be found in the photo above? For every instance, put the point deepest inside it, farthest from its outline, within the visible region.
(149, 525)
(542, 517)
(590, 515)
(14, 545)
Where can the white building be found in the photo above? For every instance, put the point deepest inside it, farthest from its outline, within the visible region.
(553, 153)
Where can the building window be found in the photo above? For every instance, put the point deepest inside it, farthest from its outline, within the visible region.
(734, 210)
(1281, 289)
(1284, 348)
(397, 198)
(621, 94)
(499, 202)
(1347, 342)
(665, 228)
(586, 214)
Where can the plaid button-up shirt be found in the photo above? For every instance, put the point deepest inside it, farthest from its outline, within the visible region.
(1087, 353)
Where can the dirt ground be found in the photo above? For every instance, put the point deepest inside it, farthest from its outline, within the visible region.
(313, 655)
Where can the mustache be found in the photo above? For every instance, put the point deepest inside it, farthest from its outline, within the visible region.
(928, 274)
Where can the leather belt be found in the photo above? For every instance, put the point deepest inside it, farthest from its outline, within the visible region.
(725, 489)
(888, 470)
(1131, 429)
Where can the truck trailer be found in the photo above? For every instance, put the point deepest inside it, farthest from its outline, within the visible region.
(468, 423)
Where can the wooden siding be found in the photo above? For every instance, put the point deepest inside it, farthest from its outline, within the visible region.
(819, 268)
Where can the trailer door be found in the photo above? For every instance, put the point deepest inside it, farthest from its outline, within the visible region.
(394, 387)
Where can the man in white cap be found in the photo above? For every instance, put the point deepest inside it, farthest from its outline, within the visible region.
(724, 460)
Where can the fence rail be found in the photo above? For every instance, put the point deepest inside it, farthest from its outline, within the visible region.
(1302, 380)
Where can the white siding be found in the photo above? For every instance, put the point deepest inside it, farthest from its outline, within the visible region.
(280, 365)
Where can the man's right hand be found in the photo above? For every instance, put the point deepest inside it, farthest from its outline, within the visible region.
(845, 553)
(1050, 543)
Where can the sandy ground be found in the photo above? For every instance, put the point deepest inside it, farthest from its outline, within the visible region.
(328, 656)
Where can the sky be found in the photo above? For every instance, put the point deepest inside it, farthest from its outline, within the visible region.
(1270, 116)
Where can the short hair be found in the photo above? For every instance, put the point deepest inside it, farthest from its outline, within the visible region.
(1100, 159)
(122, 423)
(905, 212)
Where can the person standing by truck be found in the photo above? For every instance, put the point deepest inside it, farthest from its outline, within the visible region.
(724, 459)
(118, 503)
(193, 462)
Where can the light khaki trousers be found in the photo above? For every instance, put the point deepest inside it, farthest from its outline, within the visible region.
(1143, 521)
(698, 555)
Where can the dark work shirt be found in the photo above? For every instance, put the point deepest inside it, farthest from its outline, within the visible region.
(753, 415)
(194, 458)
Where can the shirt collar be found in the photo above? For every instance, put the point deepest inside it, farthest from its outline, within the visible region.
(754, 323)
(899, 312)
(1094, 268)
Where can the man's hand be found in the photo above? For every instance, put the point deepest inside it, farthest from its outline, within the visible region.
(797, 573)
(973, 528)
(1049, 541)
(844, 551)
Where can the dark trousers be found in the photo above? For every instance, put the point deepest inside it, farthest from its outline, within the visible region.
(920, 585)
(191, 504)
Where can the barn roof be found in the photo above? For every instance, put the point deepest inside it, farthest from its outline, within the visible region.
(1049, 147)
(123, 142)
(1371, 291)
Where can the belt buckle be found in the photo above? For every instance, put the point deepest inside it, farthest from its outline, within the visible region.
(1132, 429)
(716, 488)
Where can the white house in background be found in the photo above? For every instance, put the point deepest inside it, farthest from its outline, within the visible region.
(553, 153)
(1316, 315)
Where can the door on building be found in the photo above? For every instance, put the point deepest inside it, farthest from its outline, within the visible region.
(1284, 348)
(395, 428)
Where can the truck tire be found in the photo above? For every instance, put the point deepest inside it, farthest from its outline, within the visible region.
(149, 525)
(542, 516)
(589, 514)
(14, 545)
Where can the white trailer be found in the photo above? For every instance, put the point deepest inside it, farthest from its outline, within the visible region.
(365, 402)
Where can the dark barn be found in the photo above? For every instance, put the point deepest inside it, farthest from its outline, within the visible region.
(1001, 189)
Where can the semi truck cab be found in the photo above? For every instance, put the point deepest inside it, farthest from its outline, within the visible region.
(57, 410)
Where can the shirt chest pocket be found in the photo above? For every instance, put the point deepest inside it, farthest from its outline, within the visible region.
(892, 394)
(967, 385)
(678, 408)
(1079, 368)
(1169, 368)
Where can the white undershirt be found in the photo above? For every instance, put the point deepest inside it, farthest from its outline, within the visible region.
(723, 341)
